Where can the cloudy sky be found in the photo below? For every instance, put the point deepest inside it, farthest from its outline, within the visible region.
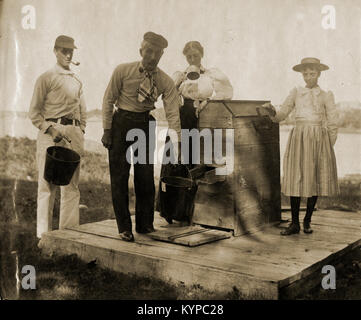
(255, 43)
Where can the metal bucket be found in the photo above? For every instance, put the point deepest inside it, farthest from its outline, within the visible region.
(60, 165)
(177, 192)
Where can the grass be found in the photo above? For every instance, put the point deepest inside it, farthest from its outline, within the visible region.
(67, 277)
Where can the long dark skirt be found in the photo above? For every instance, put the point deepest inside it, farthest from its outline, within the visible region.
(175, 203)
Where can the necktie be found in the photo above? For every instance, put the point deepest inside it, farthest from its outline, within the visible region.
(147, 88)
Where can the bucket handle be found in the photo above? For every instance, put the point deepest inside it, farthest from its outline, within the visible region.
(193, 182)
(67, 139)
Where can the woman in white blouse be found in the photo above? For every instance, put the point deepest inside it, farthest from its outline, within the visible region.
(212, 84)
(309, 168)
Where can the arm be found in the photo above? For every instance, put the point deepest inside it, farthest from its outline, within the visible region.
(286, 108)
(36, 108)
(82, 113)
(171, 103)
(223, 89)
(37, 103)
(111, 95)
(178, 77)
(331, 117)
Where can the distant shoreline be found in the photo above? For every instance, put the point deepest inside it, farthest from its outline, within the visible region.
(287, 127)
(93, 118)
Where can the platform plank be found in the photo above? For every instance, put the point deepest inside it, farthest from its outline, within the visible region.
(191, 236)
(262, 264)
(206, 253)
(346, 220)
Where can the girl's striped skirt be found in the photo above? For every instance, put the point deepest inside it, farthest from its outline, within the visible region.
(309, 167)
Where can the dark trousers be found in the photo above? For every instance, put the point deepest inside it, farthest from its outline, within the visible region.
(123, 121)
(189, 121)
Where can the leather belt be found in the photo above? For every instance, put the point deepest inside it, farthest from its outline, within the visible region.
(65, 121)
(137, 116)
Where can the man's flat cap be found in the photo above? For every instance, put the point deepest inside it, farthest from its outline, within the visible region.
(65, 42)
(156, 39)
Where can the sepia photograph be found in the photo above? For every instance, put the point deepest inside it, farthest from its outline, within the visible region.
(169, 151)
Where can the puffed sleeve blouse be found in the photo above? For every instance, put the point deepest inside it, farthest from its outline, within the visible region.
(212, 84)
(314, 105)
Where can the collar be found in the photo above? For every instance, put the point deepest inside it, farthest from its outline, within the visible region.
(315, 90)
(61, 70)
(141, 69)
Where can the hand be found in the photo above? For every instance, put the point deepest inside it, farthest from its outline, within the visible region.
(200, 106)
(268, 107)
(55, 134)
(107, 139)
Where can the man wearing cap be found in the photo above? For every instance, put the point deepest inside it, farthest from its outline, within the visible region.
(133, 89)
(58, 110)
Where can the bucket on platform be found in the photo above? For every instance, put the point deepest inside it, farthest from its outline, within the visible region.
(60, 165)
(177, 192)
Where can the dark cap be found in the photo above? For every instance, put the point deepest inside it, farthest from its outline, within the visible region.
(65, 42)
(156, 39)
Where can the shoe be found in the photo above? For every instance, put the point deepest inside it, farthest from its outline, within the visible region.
(145, 230)
(307, 227)
(291, 229)
(126, 236)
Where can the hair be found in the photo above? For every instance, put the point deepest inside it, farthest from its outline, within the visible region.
(193, 45)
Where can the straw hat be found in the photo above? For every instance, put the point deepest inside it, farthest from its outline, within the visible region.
(310, 62)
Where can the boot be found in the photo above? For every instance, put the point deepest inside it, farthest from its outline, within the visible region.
(311, 202)
(294, 227)
(307, 226)
(291, 229)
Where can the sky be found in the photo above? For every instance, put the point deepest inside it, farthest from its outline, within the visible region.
(255, 43)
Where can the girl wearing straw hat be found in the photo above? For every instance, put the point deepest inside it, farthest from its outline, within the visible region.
(309, 168)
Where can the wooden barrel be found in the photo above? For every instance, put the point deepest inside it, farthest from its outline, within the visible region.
(249, 197)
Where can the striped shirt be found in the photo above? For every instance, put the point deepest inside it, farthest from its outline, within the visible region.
(122, 92)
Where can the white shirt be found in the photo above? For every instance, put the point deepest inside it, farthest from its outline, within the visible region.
(57, 93)
(212, 84)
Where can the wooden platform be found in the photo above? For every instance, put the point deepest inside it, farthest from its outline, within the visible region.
(262, 265)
